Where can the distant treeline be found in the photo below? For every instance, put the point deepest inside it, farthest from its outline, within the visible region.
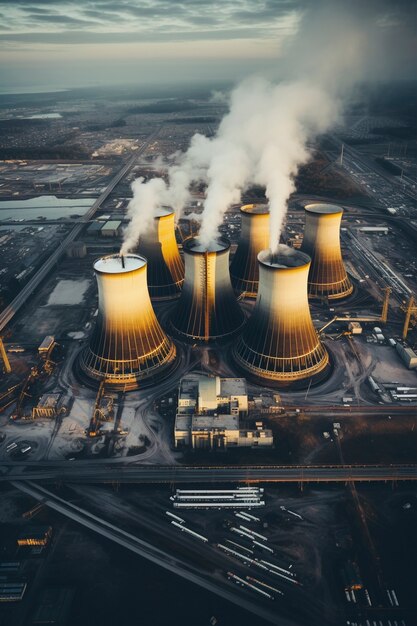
(194, 120)
(68, 153)
(20, 126)
(164, 106)
(94, 128)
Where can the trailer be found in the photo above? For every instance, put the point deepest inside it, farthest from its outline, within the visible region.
(237, 545)
(263, 546)
(178, 519)
(217, 505)
(255, 580)
(238, 497)
(253, 533)
(252, 517)
(244, 583)
(184, 529)
(219, 491)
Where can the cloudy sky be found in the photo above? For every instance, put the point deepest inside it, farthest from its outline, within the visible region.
(92, 42)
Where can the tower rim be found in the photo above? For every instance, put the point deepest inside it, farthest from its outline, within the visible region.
(116, 264)
(323, 208)
(254, 209)
(218, 245)
(285, 258)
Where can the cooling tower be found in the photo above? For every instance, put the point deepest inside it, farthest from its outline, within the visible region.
(127, 345)
(279, 342)
(327, 277)
(254, 237)
(207, 309)
(165, 266)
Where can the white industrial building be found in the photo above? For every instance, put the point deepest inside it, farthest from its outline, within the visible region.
(209, 414)
(408, 355)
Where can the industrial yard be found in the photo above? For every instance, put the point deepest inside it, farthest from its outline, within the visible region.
(305, 407)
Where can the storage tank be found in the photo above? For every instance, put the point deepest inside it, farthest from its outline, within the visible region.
(207, 309)
(165, 265)
(279, 343)
(127, 345)
(327, 277)
(254, 237)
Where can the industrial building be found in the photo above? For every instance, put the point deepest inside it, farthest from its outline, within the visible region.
(35, 536)
(254, 237)
(111, 228)
(46, 346)
(50, 405)
(407, 354)
(165, 266)
(327, 276)
(218, 432)
(209, 414)
(279, 342)
(355, 328)
(128, 344)
(206, 395)
(207, 309)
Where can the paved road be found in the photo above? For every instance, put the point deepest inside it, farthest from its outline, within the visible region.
(91, 472)
(146, 550)
(8, 313)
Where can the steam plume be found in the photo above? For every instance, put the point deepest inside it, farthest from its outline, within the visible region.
(264, 137)
(147, 197)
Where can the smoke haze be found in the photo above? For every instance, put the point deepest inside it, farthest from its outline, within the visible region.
(264, 137)
(147, 197)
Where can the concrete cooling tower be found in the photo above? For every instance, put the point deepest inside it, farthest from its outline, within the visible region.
(327, 277)
(128, 345)
(165, 266)
(279, 342)
(207, 309)
(254, 237)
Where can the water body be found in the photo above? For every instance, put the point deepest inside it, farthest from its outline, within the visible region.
(43, 116)
(49, 207)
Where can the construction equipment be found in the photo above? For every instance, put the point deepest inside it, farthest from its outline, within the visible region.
(410, 315)
(34, 373)
(100, 413)
(3, 354)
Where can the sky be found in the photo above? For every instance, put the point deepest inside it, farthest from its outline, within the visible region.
(64, 43)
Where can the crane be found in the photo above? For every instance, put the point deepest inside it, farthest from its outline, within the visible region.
(24, 392)
(410, 311)
(385, 304)
(3, 354)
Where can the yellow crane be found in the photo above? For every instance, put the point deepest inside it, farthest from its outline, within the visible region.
(6, 363)
(410, 312)
(385, 304)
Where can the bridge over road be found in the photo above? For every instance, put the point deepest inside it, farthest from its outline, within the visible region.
(90, 472)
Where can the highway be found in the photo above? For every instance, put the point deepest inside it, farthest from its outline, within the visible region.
(92, 472)
(8, 313)
(144, 549)
(380, 269)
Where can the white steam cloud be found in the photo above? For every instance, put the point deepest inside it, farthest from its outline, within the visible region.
(147, 198)
(263, 138)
